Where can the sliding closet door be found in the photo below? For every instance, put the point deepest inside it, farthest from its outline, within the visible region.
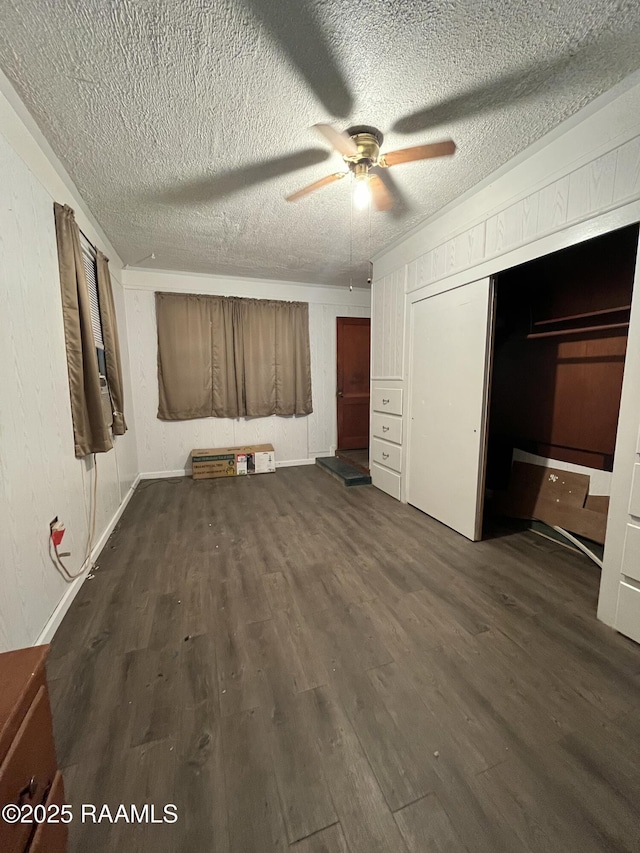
(451, 340)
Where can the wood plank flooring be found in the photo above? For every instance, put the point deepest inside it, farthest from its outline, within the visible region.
(299, 666)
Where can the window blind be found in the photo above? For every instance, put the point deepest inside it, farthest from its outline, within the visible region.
(89, 263)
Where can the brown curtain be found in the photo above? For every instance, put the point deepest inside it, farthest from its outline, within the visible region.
(293, 359)
(184, 356)
(275, 358)
(111, 343)
(91, 433)
(227, 357)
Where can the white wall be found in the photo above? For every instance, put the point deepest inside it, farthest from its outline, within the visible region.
(164, 447)
(40, 476)
(581, 180)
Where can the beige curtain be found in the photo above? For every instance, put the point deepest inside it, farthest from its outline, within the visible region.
(227, 357)
(274, 355)
(91, 434)
(184, 356)
(228, 393)
(111, 343)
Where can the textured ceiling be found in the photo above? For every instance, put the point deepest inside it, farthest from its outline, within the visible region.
(151, 106)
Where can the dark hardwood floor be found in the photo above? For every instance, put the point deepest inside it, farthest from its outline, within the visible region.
(301, 666)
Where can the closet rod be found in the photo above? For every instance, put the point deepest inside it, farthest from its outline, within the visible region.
(583, 330)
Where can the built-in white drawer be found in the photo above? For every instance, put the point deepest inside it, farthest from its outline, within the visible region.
(634, 502)
(387, 400)
(388, 481)
(389, 455)
(631, 553)
(628, 616)
(388, 427)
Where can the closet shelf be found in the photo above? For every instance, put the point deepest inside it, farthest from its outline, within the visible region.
(581, 331)
(585, 316)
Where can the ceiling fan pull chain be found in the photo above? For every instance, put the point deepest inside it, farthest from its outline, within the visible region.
(351, 241)
(369, 259)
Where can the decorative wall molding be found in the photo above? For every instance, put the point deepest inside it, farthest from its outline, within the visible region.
(252, 288)
(601, 185)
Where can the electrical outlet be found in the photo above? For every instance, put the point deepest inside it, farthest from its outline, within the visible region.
(56, 529)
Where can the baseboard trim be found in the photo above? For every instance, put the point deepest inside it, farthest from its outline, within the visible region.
(159, 475)
(291, 463)
(186, 472)
(46, 635)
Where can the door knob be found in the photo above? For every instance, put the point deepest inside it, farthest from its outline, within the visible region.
(340, 394)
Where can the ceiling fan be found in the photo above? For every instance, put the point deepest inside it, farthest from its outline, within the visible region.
(360, 149)
(294, 26)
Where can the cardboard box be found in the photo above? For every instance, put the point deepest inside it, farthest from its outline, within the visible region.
(556, 497)
(219, 462)
(261, 459)
(232, 461)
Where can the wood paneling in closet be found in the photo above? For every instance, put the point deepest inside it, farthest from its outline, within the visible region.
(559, 396)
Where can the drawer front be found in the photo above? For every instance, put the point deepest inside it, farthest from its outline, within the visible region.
(21, 676)
(631, 553)
(387, 400)
(31, 760)
(634, 501)
(628, 616)
(389, 455)
(52, 837)
(388, 427)
(386, 480)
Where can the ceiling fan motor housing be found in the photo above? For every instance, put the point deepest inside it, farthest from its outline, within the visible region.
(368, 141)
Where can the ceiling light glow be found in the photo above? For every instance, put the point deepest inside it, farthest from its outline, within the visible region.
(361, 194)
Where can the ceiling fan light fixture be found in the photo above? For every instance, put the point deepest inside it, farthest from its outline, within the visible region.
(361, 191)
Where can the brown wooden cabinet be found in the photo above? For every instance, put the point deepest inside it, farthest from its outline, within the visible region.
(28, 771)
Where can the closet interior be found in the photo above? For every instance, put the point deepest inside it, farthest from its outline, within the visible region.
(560, 341)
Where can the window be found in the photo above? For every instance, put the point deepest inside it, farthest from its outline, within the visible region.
(89, 316)
(90, 271)
(91, 274)
(228, 357)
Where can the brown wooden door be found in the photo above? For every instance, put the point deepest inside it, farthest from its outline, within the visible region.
(354, 341)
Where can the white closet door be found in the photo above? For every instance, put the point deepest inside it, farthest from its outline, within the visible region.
(451, 340)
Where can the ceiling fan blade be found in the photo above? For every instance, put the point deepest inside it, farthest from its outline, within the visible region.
(340, 141)
(316, 185)
(400, 204)
(210, 188)
(293, 25)
(419, 152)
(381, 196)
